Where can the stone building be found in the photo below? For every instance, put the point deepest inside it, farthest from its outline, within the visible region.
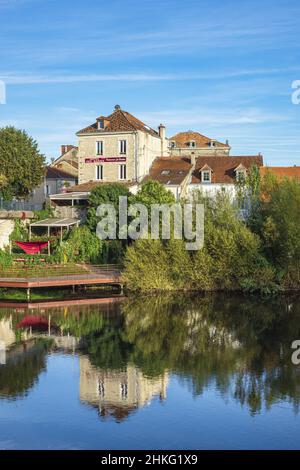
(194, 143)
(68, 160)
(118, 147)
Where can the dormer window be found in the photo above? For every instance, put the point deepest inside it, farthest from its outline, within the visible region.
(206, 173)
(101, 124)
(192, 144)
(172, 144)
(212, 143)
(240, 173)
(165, 172)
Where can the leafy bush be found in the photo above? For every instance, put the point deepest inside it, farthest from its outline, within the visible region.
(6, 259)
(81, 246)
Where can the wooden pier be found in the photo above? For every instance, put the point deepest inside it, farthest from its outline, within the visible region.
(93, 276)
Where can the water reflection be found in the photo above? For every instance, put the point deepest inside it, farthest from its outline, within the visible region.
(117, 393)
(129, 350)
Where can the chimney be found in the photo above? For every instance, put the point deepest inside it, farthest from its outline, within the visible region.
(63, 149)
(193, 159)
(162, 131)
(162, 135)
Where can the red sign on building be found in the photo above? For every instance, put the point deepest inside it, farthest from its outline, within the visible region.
(105, 159)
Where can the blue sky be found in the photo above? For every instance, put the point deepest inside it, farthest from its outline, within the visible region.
(223, 68)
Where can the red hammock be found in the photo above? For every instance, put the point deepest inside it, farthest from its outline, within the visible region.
(31, 248)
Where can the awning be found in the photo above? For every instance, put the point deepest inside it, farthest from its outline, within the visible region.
(75, 196)
(55, 223)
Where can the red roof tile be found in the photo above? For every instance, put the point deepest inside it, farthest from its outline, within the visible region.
(89, 185)
(223, 168)
(282, 171)
(57, 173)
(169, 170)
(182, 140)
(119, 121)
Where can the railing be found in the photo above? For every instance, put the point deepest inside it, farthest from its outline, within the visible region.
(28, 271)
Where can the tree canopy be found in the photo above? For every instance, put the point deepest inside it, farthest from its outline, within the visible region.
(104, 194)
(22, 166)
(152, 192)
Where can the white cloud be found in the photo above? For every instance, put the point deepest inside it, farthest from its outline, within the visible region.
(19, 78)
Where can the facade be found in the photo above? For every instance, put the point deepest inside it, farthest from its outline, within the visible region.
(55, 181)
(194, 143)
(173, 172)
(209, 174)
(213, 174)
(68, 160)
(118, 147)
(121, 148)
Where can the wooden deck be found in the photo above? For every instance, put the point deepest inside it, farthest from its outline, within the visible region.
(94, 277)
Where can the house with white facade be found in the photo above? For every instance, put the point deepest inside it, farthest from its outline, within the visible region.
(118, 147)
(209, 174)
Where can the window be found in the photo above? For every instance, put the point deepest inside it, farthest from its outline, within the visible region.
(122, 147)
(122, 172)
(172, 144)
(99, 172)
(206, 178)
(165, 172)
(101, 389)
(124, 390)
(99, 147)
(47, 190)
(192, 144)
(101, 124)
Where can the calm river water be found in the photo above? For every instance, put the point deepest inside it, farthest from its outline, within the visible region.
(150, 373)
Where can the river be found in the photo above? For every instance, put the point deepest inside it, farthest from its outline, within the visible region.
(158, 372)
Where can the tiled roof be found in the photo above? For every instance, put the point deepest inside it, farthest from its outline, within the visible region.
(119, 121)
(89, 185)
(182, 140)
(223, 168)
(169, 170)
(282, 171)
(57, 173)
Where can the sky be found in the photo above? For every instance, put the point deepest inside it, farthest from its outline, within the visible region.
(223, 68)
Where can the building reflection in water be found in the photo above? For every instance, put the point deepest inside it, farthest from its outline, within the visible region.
(117, 393)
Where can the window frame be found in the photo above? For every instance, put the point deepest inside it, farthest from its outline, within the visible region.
(97, 147)
(97, 172)
(122, 142)
(122, 172)
(207, 172)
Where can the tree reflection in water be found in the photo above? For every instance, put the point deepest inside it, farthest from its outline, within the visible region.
(241, 346)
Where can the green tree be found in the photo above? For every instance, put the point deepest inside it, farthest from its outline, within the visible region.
(104, 194)
(22, 165)
(152, 192)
